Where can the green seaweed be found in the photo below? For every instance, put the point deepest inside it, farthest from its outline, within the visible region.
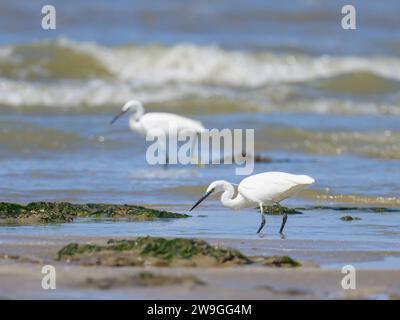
(258, 158)
(61, 212)
(352, 208)
(163, 252)
(151, 279)
(185, 249)
(277, 210)
(281, 261)
(349, 218)
(142, 279)
(74, 248)
(152, 250)
(383, 209)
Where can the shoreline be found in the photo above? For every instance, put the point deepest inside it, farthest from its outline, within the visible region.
(21, 277)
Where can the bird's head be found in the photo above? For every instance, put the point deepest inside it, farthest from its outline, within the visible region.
(132, 105)
(215, 187)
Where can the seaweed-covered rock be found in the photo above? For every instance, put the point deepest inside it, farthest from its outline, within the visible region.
(142, 279)
(275, 210)
(152, 251)
(352, 208)
(36, 212)
(60, 212)
(383, 209)
(280, 261)
(349, 218)
(164, 252)
(258, 158)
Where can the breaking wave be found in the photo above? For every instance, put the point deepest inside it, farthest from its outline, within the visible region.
(74, 74)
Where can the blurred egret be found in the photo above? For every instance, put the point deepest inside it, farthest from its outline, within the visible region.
(144, 123)
(263, 189)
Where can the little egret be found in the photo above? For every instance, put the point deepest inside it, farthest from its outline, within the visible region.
(263, 189)
(162, 122)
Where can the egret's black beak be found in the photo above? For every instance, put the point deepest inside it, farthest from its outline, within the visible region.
(118, 116)
(202, 199)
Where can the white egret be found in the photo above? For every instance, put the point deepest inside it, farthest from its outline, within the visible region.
(143, 123)
(263, 189)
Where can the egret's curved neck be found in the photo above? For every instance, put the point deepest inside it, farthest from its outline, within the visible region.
(134, 120)
(228, 200)
(137, 112)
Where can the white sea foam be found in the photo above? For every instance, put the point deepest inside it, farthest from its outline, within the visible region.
(211, 64)
(157, 73)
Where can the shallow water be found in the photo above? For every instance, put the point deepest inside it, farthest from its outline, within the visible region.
(382, 229)
(388, 263)
(323, 102)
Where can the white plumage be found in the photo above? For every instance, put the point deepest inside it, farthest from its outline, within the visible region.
(169, 124)
(271, 188)
(166, 122)
(263, 189)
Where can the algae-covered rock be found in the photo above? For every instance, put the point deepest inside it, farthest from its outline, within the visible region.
(352, 208)
(280, 261)
(276, 210)
(349, 218)
(164, 252)
(383, 209)
(35, 212)
(258, 158)
(152, 279)
(152, 251)
(60, 212)
(142, 279)
(17, 258)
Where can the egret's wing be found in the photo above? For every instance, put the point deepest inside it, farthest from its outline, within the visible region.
(170, 121)
(272, 186)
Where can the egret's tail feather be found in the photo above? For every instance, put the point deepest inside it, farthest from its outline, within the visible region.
(304, 179)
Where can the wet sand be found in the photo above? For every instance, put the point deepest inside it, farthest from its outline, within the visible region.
(22, 257)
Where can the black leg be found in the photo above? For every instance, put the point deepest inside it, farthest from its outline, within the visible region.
(284, 218)
(166, 160)
(262, 219)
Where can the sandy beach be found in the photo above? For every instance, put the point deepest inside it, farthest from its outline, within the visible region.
(22, 258)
